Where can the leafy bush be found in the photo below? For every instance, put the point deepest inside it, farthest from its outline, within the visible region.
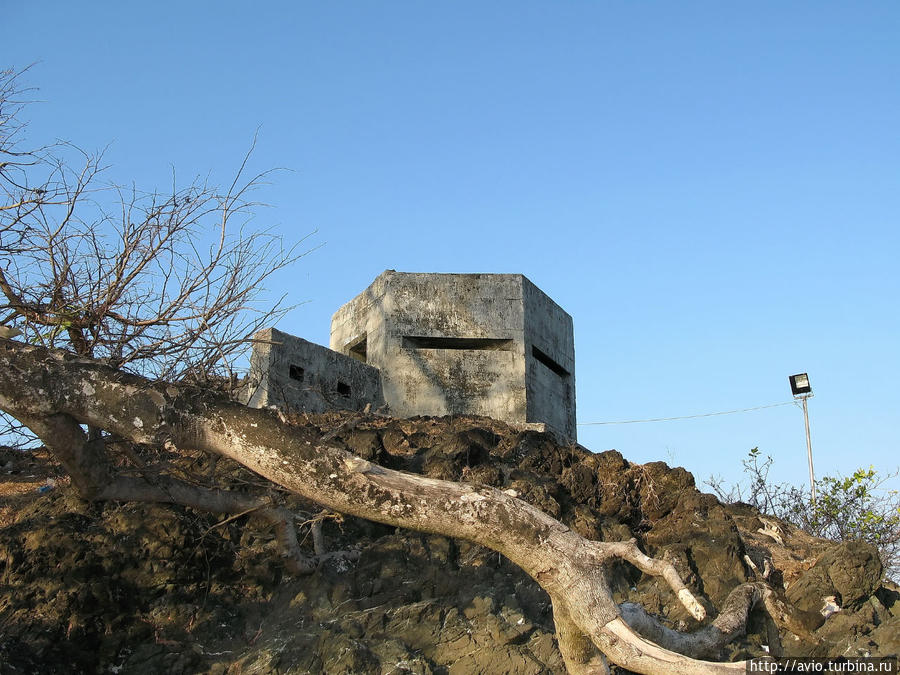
(846, 507)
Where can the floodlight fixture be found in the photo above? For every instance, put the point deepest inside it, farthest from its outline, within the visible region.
(800, 389)
(800, 385)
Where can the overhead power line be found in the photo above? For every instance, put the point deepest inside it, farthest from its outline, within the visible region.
(688, 417)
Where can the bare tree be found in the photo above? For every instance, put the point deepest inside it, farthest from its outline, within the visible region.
(121, 275)
(163, 284)
(144, 314)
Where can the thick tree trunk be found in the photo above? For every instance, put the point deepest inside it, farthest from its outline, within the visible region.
(54, 392)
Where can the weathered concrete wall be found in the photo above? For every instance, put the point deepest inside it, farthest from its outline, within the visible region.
(550, 361)
(294, 374)
(454, 344)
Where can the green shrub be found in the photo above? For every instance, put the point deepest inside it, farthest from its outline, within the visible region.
(847, 508)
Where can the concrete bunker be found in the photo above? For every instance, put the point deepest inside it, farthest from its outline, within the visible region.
(431, 344)
(465, 344)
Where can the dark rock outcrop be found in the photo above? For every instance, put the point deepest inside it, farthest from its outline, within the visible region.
(136, 588)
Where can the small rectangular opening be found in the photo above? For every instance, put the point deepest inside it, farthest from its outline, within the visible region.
(296, 373)
(343, 389)
(358, 349)
(541, 357)
(489, 344)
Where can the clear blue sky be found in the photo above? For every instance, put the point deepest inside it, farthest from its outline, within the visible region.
(711, 189)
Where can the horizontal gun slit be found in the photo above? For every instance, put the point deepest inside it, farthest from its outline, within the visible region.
(547, 361)
(485, 344)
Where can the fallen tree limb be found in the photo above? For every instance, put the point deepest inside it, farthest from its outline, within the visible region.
(57, 392)
(706, 641)
(730, 624)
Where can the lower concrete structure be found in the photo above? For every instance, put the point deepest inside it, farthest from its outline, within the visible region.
(293, 374)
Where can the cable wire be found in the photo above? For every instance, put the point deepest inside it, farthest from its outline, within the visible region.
(688, 417)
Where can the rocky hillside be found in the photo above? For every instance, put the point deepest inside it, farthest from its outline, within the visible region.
(135, 588)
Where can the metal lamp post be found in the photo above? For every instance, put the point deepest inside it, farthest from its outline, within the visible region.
(800, 389)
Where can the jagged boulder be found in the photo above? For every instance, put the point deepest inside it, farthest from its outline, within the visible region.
(848, 573)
